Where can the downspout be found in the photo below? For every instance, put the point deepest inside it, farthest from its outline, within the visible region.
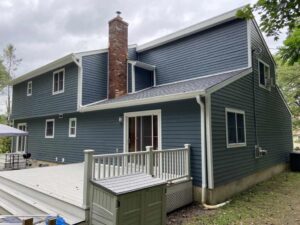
(203, 149)
(204, 158)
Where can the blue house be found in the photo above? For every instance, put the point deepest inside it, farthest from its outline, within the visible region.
(211, 85)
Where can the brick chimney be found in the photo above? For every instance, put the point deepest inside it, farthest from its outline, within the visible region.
(117, 56)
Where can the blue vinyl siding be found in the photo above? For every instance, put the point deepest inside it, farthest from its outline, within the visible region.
(132, 54)
(214, 50)
(94, 82)
(273, 124)
(102, 131)
(143, 79)
(42, 102)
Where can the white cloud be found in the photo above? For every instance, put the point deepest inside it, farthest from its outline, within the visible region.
(45, 30)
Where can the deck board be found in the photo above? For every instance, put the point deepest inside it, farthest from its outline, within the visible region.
(64, 181)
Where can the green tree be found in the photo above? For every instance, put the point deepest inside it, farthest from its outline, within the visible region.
(11, 63)
(4, 78)
(276, 15)
(288, 80)
(5, 142)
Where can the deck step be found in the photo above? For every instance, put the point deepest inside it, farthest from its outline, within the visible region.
(22, 200)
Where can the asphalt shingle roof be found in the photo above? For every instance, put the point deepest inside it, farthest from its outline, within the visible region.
(192, 85)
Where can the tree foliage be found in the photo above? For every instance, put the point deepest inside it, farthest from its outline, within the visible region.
(275, 15)
(4, 77)
(11, 63)
(290, 51)
(288, 80)
(5, 142)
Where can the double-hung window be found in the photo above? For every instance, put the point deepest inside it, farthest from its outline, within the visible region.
(235, 128)
(263, 74)
(29, 88)
(49, 128)
(58, 81)
(72, 127)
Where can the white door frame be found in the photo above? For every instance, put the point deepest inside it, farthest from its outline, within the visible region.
(141, 113)
(25, 138)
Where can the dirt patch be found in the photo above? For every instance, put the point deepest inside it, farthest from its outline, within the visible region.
(183, 215)
(273, 202)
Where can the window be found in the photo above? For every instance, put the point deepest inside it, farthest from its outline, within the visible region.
(142, 129)
(264, 74)
(72, 127)
(58, 81)
(29, 88)
(49, 129)
(21, 140)
(235, 128)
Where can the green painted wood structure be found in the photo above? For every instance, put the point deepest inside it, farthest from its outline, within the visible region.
(137, 199)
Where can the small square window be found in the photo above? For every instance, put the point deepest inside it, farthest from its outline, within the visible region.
(72, 127)
(58, 81)
(29, 88)
(264, 75)
(49, 128)
(235, 128)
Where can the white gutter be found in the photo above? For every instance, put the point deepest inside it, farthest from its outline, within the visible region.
(44, 69)
(144, 101)
(203, 149)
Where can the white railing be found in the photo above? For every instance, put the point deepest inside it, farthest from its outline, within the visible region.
(168, 165)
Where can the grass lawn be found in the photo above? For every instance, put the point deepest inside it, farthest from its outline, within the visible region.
(276, 201)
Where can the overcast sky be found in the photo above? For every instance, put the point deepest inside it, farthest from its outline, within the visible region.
(44, 30)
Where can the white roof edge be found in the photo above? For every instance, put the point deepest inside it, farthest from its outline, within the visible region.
(230, 15)
(58, 63)
(143, 65)
(43, 69)
(97, 51)
(263, 40)
(166, 98)
(158, 99)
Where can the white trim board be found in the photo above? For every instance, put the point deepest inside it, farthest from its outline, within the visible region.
(24, 138)
(209, 146)
(53, 84)
(268, 75)
(46, 68)
(166, 98)
(29, 83)
(263, 40)
(50, 120)
(241, 144)
(127, 115)
(70, 123)
(225, 17)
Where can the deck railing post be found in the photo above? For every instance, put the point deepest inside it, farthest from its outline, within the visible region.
(150, 160)
(188, 160)
(88, 169)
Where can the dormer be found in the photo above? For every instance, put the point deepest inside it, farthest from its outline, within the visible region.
(140, 76)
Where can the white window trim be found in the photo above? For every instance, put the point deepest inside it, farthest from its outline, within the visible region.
(141, 113)
(70, 123)
(269, 75)
(235, 145)
(49, 120)
(25, 138)
(29, 83)
(63, 87)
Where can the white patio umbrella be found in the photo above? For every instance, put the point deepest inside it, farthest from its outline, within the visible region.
(7, 131)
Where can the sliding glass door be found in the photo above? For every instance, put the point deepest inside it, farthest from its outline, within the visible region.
(142, 131)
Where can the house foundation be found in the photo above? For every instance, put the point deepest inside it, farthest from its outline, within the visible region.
(224, 192)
